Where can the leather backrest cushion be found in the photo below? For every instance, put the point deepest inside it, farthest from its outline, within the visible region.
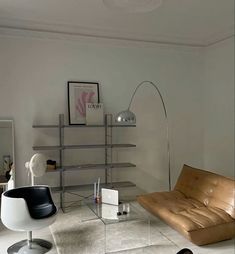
(209, 188)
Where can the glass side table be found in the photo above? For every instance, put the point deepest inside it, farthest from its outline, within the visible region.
(126, 227)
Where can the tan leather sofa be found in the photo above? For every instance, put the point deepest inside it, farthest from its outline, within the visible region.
(201, 206)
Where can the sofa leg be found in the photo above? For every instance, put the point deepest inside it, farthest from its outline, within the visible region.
(30, 246)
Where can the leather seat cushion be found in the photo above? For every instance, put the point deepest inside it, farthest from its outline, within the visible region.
(187, 215)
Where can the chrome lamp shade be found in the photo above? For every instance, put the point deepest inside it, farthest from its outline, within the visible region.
(126, 116)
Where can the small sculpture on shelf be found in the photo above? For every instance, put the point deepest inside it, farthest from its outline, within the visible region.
(51, 165)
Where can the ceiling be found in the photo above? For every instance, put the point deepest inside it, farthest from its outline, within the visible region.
(187, 22)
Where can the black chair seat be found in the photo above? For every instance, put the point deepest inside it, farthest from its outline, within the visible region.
(37, 198)
(42, 211)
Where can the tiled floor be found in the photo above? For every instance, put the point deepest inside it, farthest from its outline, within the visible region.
(8, 238)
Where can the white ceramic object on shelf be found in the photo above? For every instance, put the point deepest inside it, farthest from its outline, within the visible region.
(37, 166)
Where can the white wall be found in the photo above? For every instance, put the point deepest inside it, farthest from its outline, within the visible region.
(219, 108)
(34, 73)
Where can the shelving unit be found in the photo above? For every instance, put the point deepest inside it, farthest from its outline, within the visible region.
(107, 166)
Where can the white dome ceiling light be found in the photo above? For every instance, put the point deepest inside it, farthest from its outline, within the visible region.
(133, 6)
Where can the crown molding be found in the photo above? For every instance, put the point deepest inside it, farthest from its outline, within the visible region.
(220, 36)
(65, 31)
(116, 41)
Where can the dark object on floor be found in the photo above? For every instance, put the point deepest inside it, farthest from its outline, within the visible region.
(185, 251)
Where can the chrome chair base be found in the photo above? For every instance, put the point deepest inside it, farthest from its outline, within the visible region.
(37, 246)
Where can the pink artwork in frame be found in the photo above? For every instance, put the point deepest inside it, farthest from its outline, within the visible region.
(80, 93)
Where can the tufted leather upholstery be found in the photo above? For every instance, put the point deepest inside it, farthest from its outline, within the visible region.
(210, 189)
(201, 206)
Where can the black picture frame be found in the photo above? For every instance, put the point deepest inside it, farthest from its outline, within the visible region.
(80, 93)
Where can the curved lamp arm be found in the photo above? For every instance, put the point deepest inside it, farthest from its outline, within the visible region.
(159, 93)
(166, 119)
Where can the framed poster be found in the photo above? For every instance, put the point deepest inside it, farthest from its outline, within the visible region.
(80, 93)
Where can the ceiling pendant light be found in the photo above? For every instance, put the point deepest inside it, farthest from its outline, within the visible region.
(133, 6)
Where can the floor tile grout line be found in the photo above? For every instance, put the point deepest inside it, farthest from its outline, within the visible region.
(169, 239)
(54, 241)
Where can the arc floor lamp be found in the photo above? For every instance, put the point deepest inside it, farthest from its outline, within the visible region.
(127, 116)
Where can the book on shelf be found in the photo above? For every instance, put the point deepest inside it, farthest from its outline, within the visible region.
(94, 113)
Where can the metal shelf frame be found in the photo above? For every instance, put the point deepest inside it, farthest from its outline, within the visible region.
(107, 166)
(63, 147)
(81, 126)
(85, 187)
(92, 166)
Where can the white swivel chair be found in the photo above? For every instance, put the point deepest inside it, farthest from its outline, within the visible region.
(27, 209)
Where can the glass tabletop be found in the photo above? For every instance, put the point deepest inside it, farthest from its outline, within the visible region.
(110, 214)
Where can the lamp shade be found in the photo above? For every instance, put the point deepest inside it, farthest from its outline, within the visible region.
(126, 116)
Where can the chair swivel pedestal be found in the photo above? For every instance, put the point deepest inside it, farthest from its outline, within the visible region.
(27, 209)
(30, 246)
